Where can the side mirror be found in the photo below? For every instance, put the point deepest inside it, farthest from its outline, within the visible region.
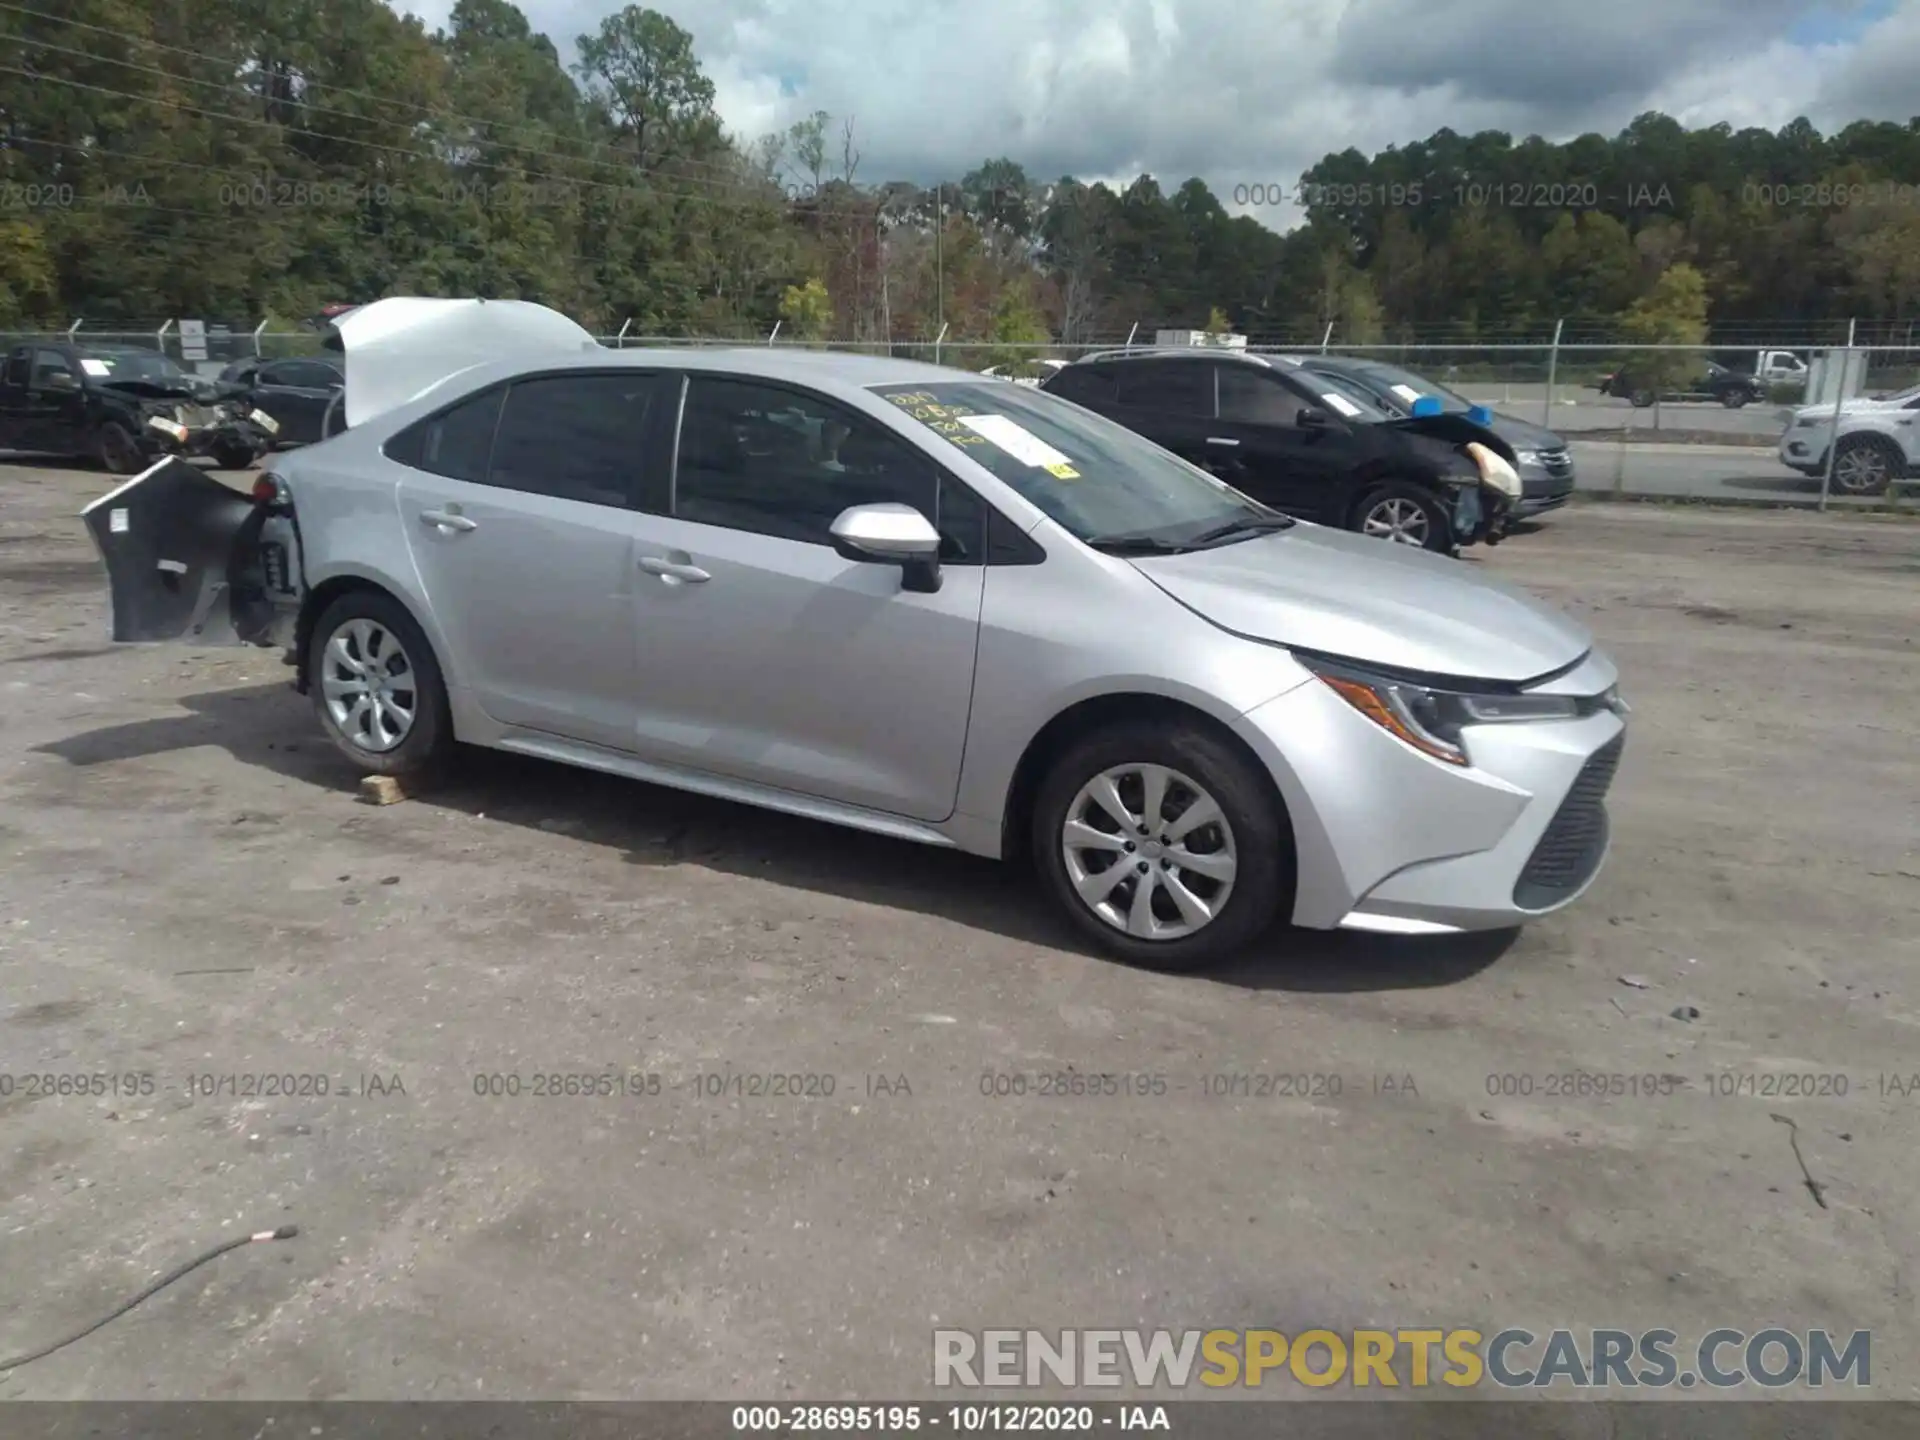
(1312, 417)
(62, 380)
(890, 535)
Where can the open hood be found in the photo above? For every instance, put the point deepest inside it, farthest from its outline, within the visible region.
(394, 349)
(1368, 601)
(1454, 429)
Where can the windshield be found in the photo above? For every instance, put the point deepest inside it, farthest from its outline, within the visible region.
(1407, 387)
(133, 365)
(1097, 479)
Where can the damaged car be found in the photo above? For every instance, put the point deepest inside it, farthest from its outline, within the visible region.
(899, 598)
(124, 407)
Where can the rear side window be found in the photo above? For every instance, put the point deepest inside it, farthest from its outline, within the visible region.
(455, 443)
(1085, 384)
(17, 366)
(309, 373)
(1168, 387)
(575, 437)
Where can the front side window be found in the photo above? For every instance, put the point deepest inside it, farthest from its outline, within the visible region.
(575, 437)
(46, 365)
(1252, 395)
(780, 462)
(1097, 479)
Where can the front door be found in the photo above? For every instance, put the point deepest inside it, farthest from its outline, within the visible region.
(516, 506)
(1259, 446)
(296, 393)
(763, 655)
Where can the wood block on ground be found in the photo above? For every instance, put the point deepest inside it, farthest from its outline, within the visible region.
(383, 790)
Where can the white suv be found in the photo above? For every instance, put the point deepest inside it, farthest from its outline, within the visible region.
(1879, 442)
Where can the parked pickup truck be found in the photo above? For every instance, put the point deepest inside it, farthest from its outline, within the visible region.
(1732, 388)
(124, 407)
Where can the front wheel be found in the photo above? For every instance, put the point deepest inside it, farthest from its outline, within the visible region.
(1865, 465)
(1734, 399)
(234, 456)
(377, 687)
(1163, 843)
(1643, 399)
(1405, 515)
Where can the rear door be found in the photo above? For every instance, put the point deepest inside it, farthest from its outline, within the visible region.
(1171, 403)
(767, 657)
(517, 505)
(13, 397)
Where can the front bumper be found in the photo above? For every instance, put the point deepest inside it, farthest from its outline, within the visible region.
(1389, 840)
(204, 439)
(1800, 451)
(1544, 488)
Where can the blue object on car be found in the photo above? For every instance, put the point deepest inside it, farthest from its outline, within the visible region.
(1480, 415)
(1426, 405)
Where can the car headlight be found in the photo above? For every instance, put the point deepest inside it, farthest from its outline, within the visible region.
(1494, 470)
(1434, 720)
(1527, 457)
(1806, 422)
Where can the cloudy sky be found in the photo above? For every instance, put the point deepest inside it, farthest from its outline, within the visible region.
(1253, 91)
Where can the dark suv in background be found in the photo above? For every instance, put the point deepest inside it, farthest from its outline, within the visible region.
(1544, 461)
(1309, 444)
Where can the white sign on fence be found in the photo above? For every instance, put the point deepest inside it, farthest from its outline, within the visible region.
(1836, 375)
(193, 339)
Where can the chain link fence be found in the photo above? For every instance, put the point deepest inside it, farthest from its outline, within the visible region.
(1708, 422)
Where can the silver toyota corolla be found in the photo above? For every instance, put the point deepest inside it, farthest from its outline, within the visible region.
(900, 598)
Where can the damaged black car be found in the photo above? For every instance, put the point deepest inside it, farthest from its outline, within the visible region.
(125, 408)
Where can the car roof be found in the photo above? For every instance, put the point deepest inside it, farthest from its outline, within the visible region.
(766, 362)
(1173, 352)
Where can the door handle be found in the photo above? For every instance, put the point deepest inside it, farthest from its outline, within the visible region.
(673, 570)
(447, 520)
(1220, 440)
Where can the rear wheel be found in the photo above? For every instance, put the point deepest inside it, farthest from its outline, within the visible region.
(1737, 397)
(119, 452)
(1163, 843)
(1405, 515)
(1643, 399)
(1866, 465)
(377, 687)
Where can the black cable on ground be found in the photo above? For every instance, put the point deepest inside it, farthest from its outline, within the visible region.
(285, 1232)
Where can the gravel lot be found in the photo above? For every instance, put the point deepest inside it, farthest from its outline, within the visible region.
(188, 886)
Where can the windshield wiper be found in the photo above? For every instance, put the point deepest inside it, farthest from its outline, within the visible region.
(1244, 525)
(1138, 545)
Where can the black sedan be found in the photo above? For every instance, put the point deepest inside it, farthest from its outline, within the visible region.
(295, 392)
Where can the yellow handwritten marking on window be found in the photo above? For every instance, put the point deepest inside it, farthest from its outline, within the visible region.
(1063, 472)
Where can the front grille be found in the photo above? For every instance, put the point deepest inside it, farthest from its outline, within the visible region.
(1576, 838)
(1557, 463)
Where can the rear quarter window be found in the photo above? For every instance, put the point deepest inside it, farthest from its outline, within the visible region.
(456, 443)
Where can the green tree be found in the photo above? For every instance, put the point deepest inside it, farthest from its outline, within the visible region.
(641, 68)
(806, 311)
(1672, 313)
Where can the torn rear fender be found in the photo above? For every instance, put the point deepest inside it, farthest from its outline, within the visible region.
(192, 560)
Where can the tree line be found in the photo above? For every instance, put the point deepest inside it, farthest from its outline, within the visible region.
(298, 154)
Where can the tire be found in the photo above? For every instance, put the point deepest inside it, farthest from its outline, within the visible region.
(1403, 514)
(1250, 845)
(1737, 398)
(1866, 465)
(119, 451)
(235, 457)
(424, 745)
(1642, 399)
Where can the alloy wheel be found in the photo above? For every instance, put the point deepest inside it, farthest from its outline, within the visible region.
(1398, 519)
(1149, 851)
(1861, 470)
(368, 682)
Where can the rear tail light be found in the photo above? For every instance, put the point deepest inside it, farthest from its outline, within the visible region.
(267, 490)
